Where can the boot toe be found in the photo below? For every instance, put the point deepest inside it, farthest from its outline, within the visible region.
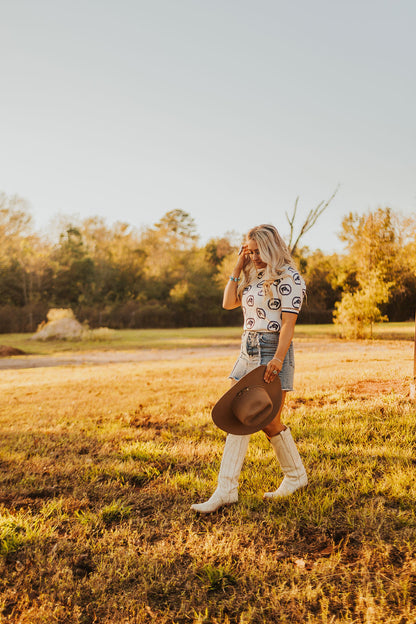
(288, 487)
(215, 502)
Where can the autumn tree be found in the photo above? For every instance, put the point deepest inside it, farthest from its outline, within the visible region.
(402, 300)
(73, 270)
(168, 245)
(321, 276)
(25, 271)
(219, 248)
(373, 244)
(15, 228)
(118, 260)
(357, 312)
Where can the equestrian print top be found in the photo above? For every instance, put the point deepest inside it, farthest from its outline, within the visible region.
(262, 313)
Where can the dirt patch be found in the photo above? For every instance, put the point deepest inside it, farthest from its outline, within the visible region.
(9, 351)
(359, 390)
(114, 357)
(372, 387)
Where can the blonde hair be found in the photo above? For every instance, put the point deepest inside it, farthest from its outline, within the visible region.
(274, 253)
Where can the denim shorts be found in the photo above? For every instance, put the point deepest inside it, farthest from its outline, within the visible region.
(258, 348)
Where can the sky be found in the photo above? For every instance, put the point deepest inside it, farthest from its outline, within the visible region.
(226, 109)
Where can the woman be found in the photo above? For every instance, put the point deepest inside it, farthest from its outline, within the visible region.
(270, 293)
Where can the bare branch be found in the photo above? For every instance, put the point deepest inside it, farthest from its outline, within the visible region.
(292, 221)
(310, 220)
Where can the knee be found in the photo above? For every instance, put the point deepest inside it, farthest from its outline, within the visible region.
(273, 429)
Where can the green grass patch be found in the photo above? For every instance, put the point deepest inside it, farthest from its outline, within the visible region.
(115, 512)
(130, 339)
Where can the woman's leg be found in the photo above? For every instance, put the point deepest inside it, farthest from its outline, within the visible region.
(276, 426)
(281, 439)
(226, 493)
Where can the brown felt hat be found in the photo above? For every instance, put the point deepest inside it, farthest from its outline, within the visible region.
(249, 405)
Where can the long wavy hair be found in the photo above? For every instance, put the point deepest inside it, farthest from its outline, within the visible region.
(273, 251)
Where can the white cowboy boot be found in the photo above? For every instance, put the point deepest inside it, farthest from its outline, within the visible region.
(227, 487)
(290, 463)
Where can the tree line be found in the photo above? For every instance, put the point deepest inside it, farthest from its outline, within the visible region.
(160, 276)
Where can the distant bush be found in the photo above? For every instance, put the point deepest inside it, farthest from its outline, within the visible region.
(101, 333)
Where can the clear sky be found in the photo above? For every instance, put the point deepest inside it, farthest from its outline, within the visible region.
(226, 109)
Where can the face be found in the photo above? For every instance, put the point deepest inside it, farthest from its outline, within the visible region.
(254, 254)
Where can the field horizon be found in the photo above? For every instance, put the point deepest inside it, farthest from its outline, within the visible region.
(127, 339)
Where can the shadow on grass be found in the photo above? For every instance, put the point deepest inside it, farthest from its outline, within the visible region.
(91, 539)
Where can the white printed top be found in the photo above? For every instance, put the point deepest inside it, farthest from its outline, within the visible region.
(265, 314)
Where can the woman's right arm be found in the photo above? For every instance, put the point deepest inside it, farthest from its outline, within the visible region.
(230, 299)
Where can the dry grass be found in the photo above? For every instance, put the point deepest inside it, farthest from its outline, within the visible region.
(99, 466)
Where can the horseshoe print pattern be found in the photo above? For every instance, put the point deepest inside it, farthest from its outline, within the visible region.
(285, 289)
(296, 302)
(273, 326)
(274, 304)
(264, 313)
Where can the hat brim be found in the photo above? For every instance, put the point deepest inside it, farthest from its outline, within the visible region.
(222, 414)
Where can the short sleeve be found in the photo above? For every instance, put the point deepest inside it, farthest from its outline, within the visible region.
(291, 291)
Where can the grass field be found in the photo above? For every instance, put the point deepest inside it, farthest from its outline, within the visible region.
(100, 464)
(127, 339)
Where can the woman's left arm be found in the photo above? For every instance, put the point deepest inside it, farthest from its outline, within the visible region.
(286, 335)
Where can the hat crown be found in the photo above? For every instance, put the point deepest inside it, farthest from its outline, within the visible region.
(249, 405)
(252, 405)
